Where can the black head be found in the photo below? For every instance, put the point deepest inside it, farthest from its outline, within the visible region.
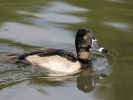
(85, 39)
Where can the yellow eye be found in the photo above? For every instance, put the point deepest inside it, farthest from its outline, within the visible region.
(85, 86)
(85, 37)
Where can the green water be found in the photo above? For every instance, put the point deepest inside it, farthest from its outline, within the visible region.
(28, 25)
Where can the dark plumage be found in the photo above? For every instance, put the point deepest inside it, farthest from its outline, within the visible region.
(51, 52)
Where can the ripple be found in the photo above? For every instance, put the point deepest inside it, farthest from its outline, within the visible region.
(55, 17)
(115, 0)
(119, 26)
(7, 49)
(34, 35)
(63, 7)
(53, 11)
(59, 18)
(47, 25)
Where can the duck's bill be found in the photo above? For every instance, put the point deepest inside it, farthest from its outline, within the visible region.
(95, 45)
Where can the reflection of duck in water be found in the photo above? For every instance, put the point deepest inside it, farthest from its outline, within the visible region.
(85, 82)
(88, 83)
(62, 60)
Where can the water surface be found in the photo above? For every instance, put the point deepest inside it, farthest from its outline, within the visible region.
(36, 24)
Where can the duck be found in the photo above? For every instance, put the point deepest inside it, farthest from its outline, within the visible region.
(59, 60)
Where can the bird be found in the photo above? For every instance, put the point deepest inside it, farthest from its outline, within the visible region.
(59, 60)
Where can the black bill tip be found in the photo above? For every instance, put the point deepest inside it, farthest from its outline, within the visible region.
(104, 51)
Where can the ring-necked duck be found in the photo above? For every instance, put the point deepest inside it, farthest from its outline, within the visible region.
(62, 60)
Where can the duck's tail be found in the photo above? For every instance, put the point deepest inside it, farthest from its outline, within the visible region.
(13, 58)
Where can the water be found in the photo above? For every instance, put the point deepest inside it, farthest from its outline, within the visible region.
(36, 24)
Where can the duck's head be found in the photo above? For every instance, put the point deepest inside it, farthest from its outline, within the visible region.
(85, 40)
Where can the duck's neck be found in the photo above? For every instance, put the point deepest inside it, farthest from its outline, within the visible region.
(84, 56)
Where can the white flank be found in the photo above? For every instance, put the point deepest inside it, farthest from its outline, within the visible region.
(55, 63)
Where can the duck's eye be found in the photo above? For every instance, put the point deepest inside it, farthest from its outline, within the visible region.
(85, 37)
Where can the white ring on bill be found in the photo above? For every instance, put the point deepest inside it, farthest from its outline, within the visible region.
(100, 49)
